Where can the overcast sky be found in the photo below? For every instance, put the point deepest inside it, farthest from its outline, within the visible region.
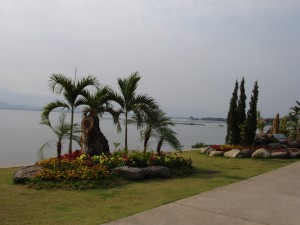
(189, 53)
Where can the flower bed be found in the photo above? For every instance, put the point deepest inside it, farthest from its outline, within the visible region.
(80, 167)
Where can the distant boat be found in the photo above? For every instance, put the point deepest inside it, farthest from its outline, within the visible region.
(221, 125)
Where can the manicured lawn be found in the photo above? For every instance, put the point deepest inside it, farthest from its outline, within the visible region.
(20, 205)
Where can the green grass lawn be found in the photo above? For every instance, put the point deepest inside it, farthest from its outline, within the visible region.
(20, 205)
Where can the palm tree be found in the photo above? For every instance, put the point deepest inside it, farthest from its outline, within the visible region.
(151, 121)
(166, 134)
(296, 109)
(129, 101)
(99, 103)
(72, 92)
(62, 132)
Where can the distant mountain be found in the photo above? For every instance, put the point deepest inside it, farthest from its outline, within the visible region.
(4, 105)
(14, 100)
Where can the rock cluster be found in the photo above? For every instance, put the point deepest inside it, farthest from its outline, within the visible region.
(250, 153)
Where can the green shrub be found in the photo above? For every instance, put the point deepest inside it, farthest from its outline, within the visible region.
(199, 145)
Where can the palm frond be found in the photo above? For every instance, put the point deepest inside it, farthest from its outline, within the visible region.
(41, 150)
(128, 86)
(51, 106)
(167, 135)
(89, 80)
(59, 82)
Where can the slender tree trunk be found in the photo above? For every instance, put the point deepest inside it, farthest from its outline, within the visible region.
(147, 137)
(59, 146)
(71, 130)
(126, 130)
(159, 144)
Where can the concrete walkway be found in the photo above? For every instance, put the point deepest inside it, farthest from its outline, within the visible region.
(272, 198)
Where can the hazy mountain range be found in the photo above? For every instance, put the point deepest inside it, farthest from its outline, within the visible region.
(20, 101)
(14, 100)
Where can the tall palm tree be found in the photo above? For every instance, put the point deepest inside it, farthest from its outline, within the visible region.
(166, 135)
(151, 121)
(62, 132)
(72, 92)
(130, 101)
(99, 103)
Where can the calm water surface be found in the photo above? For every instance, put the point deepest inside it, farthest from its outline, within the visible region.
(21, 136)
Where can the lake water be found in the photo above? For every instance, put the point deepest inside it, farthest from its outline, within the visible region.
(21, 135)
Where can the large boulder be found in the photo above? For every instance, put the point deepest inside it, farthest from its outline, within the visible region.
(216, 153)
(134, 173)
(130, 173)
(234, 153)
(205, 150)
(157, 171)
(247, 153)
(279, 155)
(26, 173)
(261, 153)
(293, 153)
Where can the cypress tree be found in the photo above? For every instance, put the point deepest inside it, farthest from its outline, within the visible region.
(249, 127)
(241, 109)
(232, 118)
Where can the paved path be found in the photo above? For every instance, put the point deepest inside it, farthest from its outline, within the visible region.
(272, 198)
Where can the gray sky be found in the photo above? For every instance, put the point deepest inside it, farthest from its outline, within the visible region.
(189, 53)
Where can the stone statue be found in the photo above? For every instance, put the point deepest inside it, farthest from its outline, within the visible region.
(86, 125)
(93, 142)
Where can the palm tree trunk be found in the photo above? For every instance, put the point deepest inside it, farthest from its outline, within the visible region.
(59, 146)
(126, 130)
(147, 137)
(159, 144)
(71, 130)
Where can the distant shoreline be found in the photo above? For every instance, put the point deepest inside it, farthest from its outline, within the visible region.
(14, 166)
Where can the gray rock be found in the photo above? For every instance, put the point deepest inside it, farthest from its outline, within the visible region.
(130, 173)
(247, 153)
(279, 155)
(157, 171)
(134, 173)
(293, 153)
(216, 153)
(234, 153)
(206, 150)
(261, 153)
(26, 173)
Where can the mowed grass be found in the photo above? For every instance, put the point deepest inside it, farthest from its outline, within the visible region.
(21, 205)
